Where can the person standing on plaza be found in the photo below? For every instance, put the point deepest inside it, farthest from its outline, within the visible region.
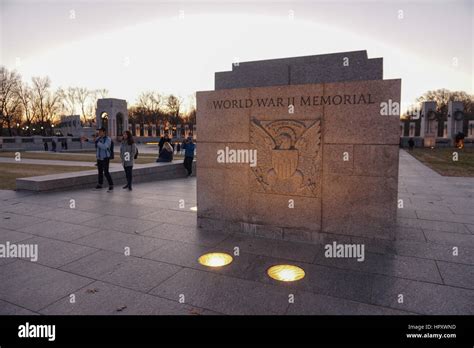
(188, 147)
(128, 151)
(104, 153)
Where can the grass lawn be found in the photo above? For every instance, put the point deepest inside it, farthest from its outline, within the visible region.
(9, 172)
(441, 160)
(143, 158)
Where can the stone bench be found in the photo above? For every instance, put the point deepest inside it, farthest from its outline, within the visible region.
(88, 179)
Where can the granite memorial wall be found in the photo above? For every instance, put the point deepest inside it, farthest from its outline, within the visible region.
(300, 161)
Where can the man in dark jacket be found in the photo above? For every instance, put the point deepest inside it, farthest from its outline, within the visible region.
(189, 147)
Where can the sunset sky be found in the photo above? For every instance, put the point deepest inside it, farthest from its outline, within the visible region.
(129, 47)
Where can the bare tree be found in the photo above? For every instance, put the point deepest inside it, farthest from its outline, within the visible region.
(68, 99)
(173, 104)
(102, 93)
(149, 106)
(25, 95)
(82, 96)
(444, 96)
(41, 87)
(52, 108)
(10, 105)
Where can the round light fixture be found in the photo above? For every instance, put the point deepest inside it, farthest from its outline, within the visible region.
(215, 259)
(286, 273)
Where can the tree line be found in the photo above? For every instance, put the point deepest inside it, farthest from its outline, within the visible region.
(442, 97)
(34, 107)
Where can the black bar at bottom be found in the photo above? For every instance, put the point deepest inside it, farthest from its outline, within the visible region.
(455, 331)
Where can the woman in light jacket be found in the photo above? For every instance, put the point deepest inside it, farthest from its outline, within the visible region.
(128, 150)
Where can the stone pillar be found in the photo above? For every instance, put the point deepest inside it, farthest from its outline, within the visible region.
(178, 132)
(412, 129)
(427, 110)
(137, 130)
(153, 130)
(470, 129)
(455, 119)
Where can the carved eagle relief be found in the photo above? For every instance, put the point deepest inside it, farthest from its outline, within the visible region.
(288, 155)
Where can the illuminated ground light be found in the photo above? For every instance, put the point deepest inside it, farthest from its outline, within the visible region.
(215, 259)
(286, 273)
(194, 208)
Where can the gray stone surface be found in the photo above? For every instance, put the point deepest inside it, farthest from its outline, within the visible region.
(117, 241)
(34, 286)
(431, 276)
(59, 230)
(55, 253)
(107, 299)
(126, 271)
(456, 274)
(226, 295)
(307, 303)
(320, 68)
(11, 309)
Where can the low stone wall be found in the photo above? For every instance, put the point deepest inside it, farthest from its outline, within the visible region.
(36, 143)
(88, 179)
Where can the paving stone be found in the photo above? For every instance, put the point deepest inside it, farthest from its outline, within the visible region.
(187, 255)
(55, 253)
(186, 234)
(307, 303)
(100, 298)
(323, 280)
(435, 251)
(122, 224)
(33, 286)
(392, 265)
(24, 208)
(122, 210)
(59, 230)
(422, 298)
(13, 236)
(409, 233)
(16, 221)
(179, 253)
(185, 218)
(10, 194)
(273, 248)
(455, 239)
(11, 309)
(226, 295)
(433, 225)
(456, 274)
(438, 216)
(407, 213)
(126, 271)
(117, 241)
(68, 215)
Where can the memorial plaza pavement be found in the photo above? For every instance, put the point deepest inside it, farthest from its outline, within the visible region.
(82, 253)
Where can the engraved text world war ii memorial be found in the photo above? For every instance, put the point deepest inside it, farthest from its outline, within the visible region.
(300, 149)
